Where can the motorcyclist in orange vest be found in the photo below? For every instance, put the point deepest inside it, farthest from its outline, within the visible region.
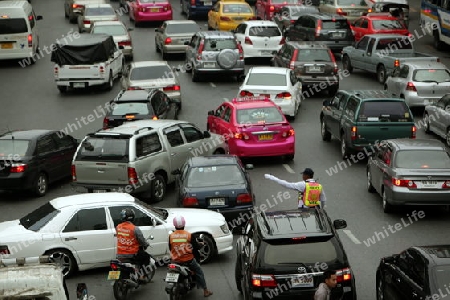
(131, 243)
(182, 247)
(310, 192)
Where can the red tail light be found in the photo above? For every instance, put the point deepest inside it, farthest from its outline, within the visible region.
(172, 266)
(30, 40)
(200, 50)
(333, 59)
(396, 63)
(343, 275)
(241, 136)
(167, 8)
(248, 41)
(446, 184)
(124, 43)
(167, 41)
(134, 88)
(77, 6)
(4, 250)
(292, 21)
(18, 168)
(105, 123)
(354, 134)
(74, 173)
(294, 59)
(284, 95)
(190, 201)
(192, 2)
(244, 198)
(86, 22)
(171, 88)
(56, 71)
(225, 19)
(288, 133)
(253, 18)
(283, 41)
(132, 176)
(413, 132)
(141, 9)
(318, 28)
(404, 183)
(263, 280)
(245, 94)
(411, 87)
(340, 12)
(272, 8)
(114, 266)
(241, 51)
(101, 69)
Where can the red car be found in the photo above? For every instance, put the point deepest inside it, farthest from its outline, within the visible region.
(381, 23)
(150, 10)
(253, 126)
(266, 9)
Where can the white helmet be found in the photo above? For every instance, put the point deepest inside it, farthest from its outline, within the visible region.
(179, 222)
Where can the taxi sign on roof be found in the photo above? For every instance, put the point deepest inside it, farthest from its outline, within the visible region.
(245, 99)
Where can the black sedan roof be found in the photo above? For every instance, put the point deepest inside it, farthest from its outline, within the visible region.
(25, 134)
(213, 160)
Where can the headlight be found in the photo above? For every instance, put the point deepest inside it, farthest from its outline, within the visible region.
(225, 229)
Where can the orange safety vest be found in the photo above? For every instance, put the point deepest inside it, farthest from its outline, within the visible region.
(126, 239)
(311, 196)
(180, 246)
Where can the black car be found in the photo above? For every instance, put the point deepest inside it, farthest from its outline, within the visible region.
(132, 105)
(331, 30)
(219, 182)
(421, 272)
(32, 159)
(283, 254)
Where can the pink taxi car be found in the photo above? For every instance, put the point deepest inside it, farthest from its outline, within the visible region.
(150, 10)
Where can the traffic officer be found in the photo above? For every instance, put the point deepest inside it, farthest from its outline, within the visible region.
(310, 192)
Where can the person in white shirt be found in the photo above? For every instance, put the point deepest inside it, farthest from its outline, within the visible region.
(310, 192)
(324, 290)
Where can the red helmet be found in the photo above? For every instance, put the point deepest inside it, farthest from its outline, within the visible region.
(179, 222)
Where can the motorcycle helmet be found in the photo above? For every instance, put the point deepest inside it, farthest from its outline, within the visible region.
(127, 214)
(179, 222)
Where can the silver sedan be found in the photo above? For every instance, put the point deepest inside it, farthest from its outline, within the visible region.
(118, 31)
(172, 35)
(437, 118)
(419, 83)
(153, 75)
(95, 12)
(410, 172)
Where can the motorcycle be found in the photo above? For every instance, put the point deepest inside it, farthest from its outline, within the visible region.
(126, 275)
(179, 278)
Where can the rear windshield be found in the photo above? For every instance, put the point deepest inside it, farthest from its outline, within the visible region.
(301, 10)
(217, 45)
(11, 26)
(37, 219)
(351, 2)
(259, 115)
(338, 24)
(313, 55)
(154, 72)
(237, 8)
(267, 79)
(306, 253)
(384, 111)
(182, 28)
(131, 108)
(11, 148)
(99, 11)
(264, 31)
(431, 75)
(422, 159)
(110, 29)
(104, 149)
(394, 44)
(387, 24)
(215, 176)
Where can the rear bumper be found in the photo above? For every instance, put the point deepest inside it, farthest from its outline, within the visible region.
(121, 188)
(174, 49)
(414, 100)
(158, 16)
(260, 52)
(235, 71)
(337, 46)
(287, 106)
(16, 181)
(243, 149)
(405, 196)
(25, 54)
(340, 292)
(86, 82)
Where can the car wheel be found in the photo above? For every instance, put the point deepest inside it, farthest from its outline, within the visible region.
(157, 48)
(347, 64)
(447, 137)
(370, 187)
(326, 135)
(387, 207)
(426, 120)
(40, 186)
(380, 289)
(188, 67)
(164, 55)
(436, 42)
(195, 76)
(289, 157)
(65, 259)
(344, 148)
(158, 188)
(381, 74)
(237, 274)
(62, 89)
(218, 152)
(110, 83)
(207, 251)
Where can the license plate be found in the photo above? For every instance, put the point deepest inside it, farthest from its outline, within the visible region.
(99, 191)
(265, 137)
(303, 281)
(264, 95)
(355, 13)
(7, 45)
(172, 277)
(78, 85)
(315, 69)
(113, 275)
(238, 18)
(337, 35)
(217, 201)
(266, 52)
(429, 184)
(207, 3)
(210, 65)
(154, 9)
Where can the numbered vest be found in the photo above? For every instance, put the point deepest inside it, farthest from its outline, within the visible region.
(126, 239)
(311, 196)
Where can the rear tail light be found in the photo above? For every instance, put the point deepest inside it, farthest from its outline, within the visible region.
(411, 87)
(167, 41)
(333, 59)
(192, 2)
(56, 71)
(283, 41)
(86, 22)
(292, 21)
(272, 8)
(155, 118)
(446, 184)
(284, 95)
(294, 59)
(244, 198)
(253, 18)
(105, 123)
(171, 88)
(404, 183)
(340, 12)
(167, 8)
(30, 40)
(225, 18)
(172, 266)
(18, 168)
(74, 173)
(101, 69)
(245, 94)
(343, 275)
(263, 280)
(413, 132)
(134, 88)
(114, 266)
(190, 201)
(125, 43)
(354, 133)
(396, 63)
(241, 136)
(141, 9)
(241, 51)
(132, 176)
(290, 132)
(200, 50)
(248, 41)
(4, 250)
(318, 28)
(77, 6)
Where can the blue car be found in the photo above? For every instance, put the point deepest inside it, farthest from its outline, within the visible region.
(195, 9)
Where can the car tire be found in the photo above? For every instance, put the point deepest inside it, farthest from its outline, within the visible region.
(40, 185)
(380, 288)
(387, 207)
(347, 64)
(447, 137)
(65, 259)
(157, 48)
(238, 274)
(370, 187)
(438, 45)
(381, 74)
(344, 148)
(289, 157)
(164, 55)
(208, 251)
(158, 188)
(62, 89)
(188, 67)
(72, 20)
(426, 120)
(195, 76)
(326, 135)
(110, 83)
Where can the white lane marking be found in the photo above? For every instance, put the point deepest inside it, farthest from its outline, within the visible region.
(289, 169)
(352, 236)
(212, 84)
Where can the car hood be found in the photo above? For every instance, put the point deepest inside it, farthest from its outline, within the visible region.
(13, 231)
(153, 83)
(197, 217)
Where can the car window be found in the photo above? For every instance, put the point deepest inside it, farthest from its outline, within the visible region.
(174, 137)
(227, 114)
(362, 44)
(357, 23)
(237, 9)
(45, 144)
(336, 24)
(182, 28)
(191, 133)
(422, 159)
(241, 28)
(220, 44)
(131, 108)
(99, 11)
(113, 30)
(293, 78)
(431, 75)
(386, 24)
(396, 72)
(264, 31)
(11, 148)
(336, 102)
(140, 219)
(63, 141)
(39, 217)
(364, 24)
(418, 268)
(220, 110)
(104, 149)
(160, 103)
(350, 109)
(370, 46)
(404, 72)
(151, 73)
(313, 55)
(394, 44)
(211, 176)
(390, 111)
(261, 115)
(441, 273)
(148, 144)
(13, 25)
(266, 79)
(86, 220)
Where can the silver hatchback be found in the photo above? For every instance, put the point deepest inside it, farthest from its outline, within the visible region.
(214, 52)
(95, 12)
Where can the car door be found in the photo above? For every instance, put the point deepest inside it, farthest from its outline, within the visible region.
(376, 162)
(336, 110)
(359, 53)
(213, 15)
(159, 35)
(191, 48)
(384, 163)
(194, 139)
(147, 147)
(248, 251)
(418, 277)
(295, 31)
(295, 87)
(393, 272)
(356, 29)
(239, 33)
(400, 83)
(277, 58)
(90, 236)
(223, 123)
(179, 152)
(364, 28)
(214, 119)
(441, 120)
(66, 147)
(48, 157)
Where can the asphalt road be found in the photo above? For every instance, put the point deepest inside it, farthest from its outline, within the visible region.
(29, 99)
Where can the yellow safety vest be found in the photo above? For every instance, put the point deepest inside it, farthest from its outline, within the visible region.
(311, 196)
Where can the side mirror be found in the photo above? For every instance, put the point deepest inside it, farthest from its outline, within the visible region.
(187, 43)
(82, 292)
(249, 167)
(206, 134)
(38, 18)
(326, 103)
(211, 113)
(176, 172)
(340, 224)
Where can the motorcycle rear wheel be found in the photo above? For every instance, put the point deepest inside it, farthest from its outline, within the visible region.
(175, 294)
(120, 290)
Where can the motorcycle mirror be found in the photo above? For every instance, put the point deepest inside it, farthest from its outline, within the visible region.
(153, 222)
(201, 236)
(152, 237)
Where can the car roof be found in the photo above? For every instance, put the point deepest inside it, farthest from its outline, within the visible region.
(419, 144)
(252, 23)
(325, 16)
(378, 95)
(439, 254)
(380, 17)
(91, 198)
(271, 70)
(12, 4)
(97, 5)
(108, 23)
(148, 63)
(307, 45)
(130, 95)
(25, 134)
(252, 104)
(180, 22)
(135, 126)
(213, 160)
(387, 36)
(216, 34)
(425, 64)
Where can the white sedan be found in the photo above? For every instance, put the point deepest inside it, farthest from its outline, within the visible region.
(79, 231)
(279, 84)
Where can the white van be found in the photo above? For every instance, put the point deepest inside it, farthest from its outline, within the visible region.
(18, 31)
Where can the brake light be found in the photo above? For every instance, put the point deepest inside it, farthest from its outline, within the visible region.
(4, 250)
(340, 12)
(248, 41)
(272, 8)
(101, 69)
(192, 2)
(413, 132)
(30, 40)
(172, 266)
(294, 59)
(56, 71)
(333, 59)
(288, 133)
(141, 9)
(134, 88)
(253, 18)
(241, 51)
(74, 173)
(285, 95)
(318, 28)
(18, 168)
(241, 136)
(171, 88)
(77, 6)
(86, 22)
(396, 63)
(343, 275)
(190, 201)
(132, 176)
(225, 18)
(105, 123)
(114, 266)
(124, 43)
(167, 41)
(283, 40)
(244, 198)
(404, 183)
(155, 118)
(245, 94)
(167, 8)
(354, 133)
(446, 184)
(200, 50)
(263, 281)
(411, 87)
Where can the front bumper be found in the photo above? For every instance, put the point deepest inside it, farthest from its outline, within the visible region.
(244, 149)
(224, 243)
(406, 196)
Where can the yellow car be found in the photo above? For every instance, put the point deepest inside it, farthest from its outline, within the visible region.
(227, 15)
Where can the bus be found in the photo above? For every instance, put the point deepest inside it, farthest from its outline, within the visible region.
(435, 16)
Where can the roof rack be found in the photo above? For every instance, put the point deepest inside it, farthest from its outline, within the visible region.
(250, 99)
(22, 261)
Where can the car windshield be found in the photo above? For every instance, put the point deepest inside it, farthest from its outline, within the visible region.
(151, 73)
(394, 44)
(134, 108)
(99, 11)
(106, 148)
(264, 31)
(351, 3)
(158, 211)
(313, 55)
(337, 24)
(210, 176)
(11, 148)
(422, 159)
(217, 45)
(387, 24)
(39, 217)
(431, 75)
(11, 26)
(110, 29)
(384, 111)
(182, 28)
(237, 8)
(267, 79)
(441, 273)
(260, 115)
